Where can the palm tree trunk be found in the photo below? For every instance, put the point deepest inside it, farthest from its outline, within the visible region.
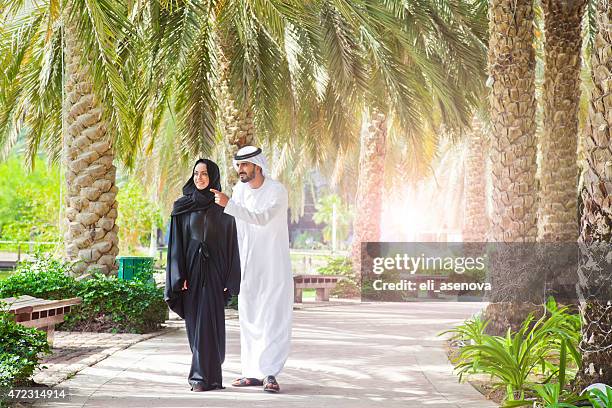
(238, 125)
(512, 105)
(596, 223)
(91, 207)
(368, 202)
(559, 168)
(476, 220)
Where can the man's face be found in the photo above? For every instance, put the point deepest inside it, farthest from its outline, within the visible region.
(246, 171)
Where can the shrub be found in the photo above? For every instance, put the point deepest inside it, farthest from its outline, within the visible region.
(111, 304)
(20, 350)
(516, 358)
(44, 277)
(341, 266)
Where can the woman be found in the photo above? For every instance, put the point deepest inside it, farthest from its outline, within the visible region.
(203, 272)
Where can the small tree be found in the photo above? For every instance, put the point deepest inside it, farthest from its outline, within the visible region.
(325, 215)
(137, 215)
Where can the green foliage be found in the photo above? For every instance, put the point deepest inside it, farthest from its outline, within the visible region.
(341, 266)
(599, 398)
(108, 303)
(135, 306)
(515, 359)
(472, 331)
(20, 350)
(136, 216)
(324, 215)
(29, 201)
(550, 396)
(43, 277)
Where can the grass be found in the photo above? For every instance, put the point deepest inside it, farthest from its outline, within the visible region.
(5, 274)
(309, 294)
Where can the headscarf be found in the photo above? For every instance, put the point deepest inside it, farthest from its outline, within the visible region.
(253, 155)
(194, 199)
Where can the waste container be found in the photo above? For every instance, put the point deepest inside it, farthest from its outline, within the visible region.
(129, 266)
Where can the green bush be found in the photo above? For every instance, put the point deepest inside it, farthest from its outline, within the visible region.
(20, 350)
(109, 304)
(543, 347)
(341, 266)
(44, 277)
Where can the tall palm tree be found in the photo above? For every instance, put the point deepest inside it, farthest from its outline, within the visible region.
(370, 184)
(512, 108)
(561, 97)
(63, 88)
(596, 222)
(476, 220)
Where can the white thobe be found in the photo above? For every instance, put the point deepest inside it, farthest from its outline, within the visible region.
(265, 302)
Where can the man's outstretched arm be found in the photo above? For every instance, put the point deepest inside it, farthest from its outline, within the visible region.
(278, 202)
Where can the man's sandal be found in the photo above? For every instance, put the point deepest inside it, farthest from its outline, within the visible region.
(270, 384)
(246, 382)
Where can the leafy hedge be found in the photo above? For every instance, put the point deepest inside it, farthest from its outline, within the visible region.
(342, 266)
(109, 304)
(116, 305)
(20, 350)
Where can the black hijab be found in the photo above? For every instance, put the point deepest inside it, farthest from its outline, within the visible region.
(194, 199)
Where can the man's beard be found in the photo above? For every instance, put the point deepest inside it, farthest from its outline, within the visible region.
(245, 177)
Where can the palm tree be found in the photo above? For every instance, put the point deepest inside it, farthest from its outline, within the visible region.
(596, 222)
(441, 67)
(63, 88)
(512, 108)
(476, 220)
(561, 97)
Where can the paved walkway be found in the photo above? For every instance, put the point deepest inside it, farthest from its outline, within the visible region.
(358, 355)
(74, 351)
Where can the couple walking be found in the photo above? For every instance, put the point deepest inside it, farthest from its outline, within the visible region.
(219, 247)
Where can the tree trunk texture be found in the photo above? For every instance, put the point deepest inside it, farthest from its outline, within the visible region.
(512, 104)
(368, 201)
(559, 168)
(238, 125)
(90, 199)
(476, 220)
(596, 222)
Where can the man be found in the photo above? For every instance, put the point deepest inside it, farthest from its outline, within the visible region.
(265, 303)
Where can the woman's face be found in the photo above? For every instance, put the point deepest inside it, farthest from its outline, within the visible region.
(200, 176)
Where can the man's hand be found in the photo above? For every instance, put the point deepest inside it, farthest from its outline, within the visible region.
(184, 285)
(220, 198)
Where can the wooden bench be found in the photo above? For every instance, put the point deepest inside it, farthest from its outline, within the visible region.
(40, 313)
(323, 284)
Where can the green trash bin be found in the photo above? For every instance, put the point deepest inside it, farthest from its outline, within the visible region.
(129, 266)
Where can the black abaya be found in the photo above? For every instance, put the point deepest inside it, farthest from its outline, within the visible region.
(203, 249)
